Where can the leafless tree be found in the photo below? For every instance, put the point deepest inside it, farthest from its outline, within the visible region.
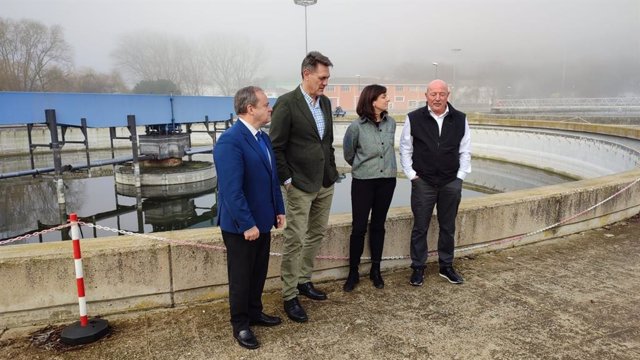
(220, 63)
(30, 53)
(155, 56)
(231, 61)
(90, 81)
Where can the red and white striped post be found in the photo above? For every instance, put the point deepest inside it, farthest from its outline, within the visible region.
(83, 331)
(77, 260)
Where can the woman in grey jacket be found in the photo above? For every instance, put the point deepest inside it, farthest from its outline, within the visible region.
(369, 148)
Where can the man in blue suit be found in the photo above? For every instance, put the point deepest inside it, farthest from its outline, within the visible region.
(249, 205)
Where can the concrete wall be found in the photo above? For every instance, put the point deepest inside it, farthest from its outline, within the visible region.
(129, 273)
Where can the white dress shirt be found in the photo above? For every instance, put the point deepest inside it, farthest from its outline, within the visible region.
(254, 132)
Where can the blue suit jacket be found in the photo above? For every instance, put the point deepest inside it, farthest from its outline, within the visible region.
(248, 187)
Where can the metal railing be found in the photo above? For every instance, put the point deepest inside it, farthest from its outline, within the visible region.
(625, 104)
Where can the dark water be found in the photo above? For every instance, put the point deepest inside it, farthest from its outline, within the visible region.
(30, 205)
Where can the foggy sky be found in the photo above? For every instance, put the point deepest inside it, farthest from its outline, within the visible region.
(365, 37)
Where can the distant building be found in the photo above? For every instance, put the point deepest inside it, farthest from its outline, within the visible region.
(403, 97)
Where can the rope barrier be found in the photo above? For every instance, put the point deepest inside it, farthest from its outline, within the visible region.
(154, 237)
(326, 257)
(37, 233)
(521, 236)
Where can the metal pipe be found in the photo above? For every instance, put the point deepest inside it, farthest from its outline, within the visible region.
(114, 161)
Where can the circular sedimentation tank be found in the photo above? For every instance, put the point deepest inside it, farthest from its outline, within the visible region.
(189, 177)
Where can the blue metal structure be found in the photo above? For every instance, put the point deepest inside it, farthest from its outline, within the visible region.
(107, 110)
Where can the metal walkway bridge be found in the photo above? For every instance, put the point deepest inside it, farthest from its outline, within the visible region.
(609, 105)
(160, 114)
(107, 110)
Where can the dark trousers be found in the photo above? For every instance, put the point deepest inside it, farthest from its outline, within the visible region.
(423, 199)
(369, 196)
(247, 265)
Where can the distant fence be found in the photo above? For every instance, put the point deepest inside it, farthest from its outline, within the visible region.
(616, 105)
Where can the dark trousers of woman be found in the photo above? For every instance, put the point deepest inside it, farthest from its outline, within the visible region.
(247, 265)
(369, 196)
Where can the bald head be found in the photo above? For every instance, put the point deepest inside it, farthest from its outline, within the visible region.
(438, 83)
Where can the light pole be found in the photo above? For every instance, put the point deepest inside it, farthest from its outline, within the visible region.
(436, 66)
(356, 97)
(455, 51)
(305, 3)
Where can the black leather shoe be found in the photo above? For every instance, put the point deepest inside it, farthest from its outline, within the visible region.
(376, 278)
(308, 290)
(352, 280)
(265, 320)
(295, 311)
(451, 275)
(246, 339)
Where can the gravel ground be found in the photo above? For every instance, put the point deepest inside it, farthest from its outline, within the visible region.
(575, 297)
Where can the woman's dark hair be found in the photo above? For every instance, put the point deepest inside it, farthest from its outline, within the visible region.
(365, 103)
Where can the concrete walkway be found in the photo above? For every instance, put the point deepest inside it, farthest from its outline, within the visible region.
(576, 297)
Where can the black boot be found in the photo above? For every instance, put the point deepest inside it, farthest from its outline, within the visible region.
(352, 279)
(375, 276)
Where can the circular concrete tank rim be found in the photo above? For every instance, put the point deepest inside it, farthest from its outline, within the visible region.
(124, 176)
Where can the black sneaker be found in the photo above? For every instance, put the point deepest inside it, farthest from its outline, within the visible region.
(451, 275)
(417, 277)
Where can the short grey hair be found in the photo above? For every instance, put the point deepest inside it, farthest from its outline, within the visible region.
(245, 97)
(311, 61)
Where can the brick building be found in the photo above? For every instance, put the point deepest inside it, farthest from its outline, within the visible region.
(404, 97)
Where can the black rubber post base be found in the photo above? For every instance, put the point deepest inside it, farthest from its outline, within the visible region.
(75, 334)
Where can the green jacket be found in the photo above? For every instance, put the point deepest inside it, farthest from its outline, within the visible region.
(369, 149)
(300, 153)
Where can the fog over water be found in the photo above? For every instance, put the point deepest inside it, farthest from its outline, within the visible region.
(527, 48)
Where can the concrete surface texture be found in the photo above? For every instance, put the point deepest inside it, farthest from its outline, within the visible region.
(575, 297)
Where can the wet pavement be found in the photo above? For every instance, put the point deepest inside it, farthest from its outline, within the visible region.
(576, 297)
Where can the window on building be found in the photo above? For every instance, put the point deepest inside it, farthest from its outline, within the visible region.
(399, 88)
(330, 88)
(345, 88)
(413, 104)
(390, 105)
(399, 99)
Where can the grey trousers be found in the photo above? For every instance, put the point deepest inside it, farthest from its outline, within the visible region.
(446, 199)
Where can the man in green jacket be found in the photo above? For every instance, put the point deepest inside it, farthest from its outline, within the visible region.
(302, 136)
